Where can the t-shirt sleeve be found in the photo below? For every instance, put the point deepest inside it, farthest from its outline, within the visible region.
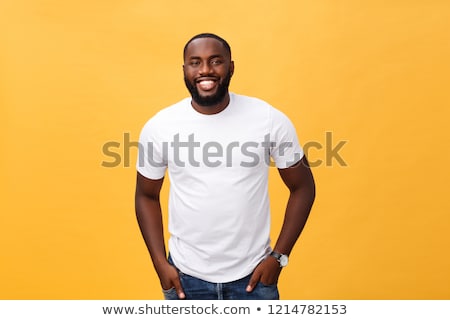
(151, 160)
(286, 150)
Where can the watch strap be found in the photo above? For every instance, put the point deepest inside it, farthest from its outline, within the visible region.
(276, 255)
(281, 258)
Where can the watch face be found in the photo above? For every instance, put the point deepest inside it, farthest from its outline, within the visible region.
(283, 260)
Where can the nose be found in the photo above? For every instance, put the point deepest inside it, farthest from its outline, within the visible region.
(205, 68)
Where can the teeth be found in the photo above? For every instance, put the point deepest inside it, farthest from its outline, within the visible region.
(206, 84)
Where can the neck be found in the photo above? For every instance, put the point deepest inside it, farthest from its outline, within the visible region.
(213, 109)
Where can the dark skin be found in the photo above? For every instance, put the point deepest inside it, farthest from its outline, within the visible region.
(207, 59)
(300, 182)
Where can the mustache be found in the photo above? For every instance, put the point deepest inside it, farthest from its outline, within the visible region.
(208, 101)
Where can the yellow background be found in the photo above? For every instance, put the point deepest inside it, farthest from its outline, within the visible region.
(77, 74)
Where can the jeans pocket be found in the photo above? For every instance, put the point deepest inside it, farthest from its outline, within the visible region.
(170, 294)
(268, 284)
(267, 291)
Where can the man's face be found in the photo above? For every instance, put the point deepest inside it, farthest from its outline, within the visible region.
(207, 71)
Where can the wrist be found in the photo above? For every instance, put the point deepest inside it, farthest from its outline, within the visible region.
(161, 264)
(282, 259)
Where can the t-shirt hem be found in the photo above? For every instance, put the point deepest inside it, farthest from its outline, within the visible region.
(149, 175)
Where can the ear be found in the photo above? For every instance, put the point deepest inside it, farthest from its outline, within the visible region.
(232, 68)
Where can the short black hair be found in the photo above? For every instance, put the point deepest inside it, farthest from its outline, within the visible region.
(208, 35)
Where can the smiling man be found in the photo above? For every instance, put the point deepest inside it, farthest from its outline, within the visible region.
(217, 147)
(208, 89)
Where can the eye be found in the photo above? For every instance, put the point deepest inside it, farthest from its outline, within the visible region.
(216, 62)
(194, 63)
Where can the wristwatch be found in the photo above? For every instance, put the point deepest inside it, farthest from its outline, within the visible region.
(281, 258)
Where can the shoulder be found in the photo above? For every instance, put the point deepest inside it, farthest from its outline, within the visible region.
(172, 112)
(249, 101)
(259, 105)
(168, 114)
(253, 107)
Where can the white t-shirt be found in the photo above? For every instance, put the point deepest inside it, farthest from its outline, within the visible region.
(219, 217)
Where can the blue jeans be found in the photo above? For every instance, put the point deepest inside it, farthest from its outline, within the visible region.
(197, 289)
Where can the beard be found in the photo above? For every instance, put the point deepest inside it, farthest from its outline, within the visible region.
(212, 100)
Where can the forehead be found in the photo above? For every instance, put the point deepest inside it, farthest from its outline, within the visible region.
(205, 47)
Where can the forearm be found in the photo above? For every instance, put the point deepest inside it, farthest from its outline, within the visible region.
(148, 213)
(297, 213)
